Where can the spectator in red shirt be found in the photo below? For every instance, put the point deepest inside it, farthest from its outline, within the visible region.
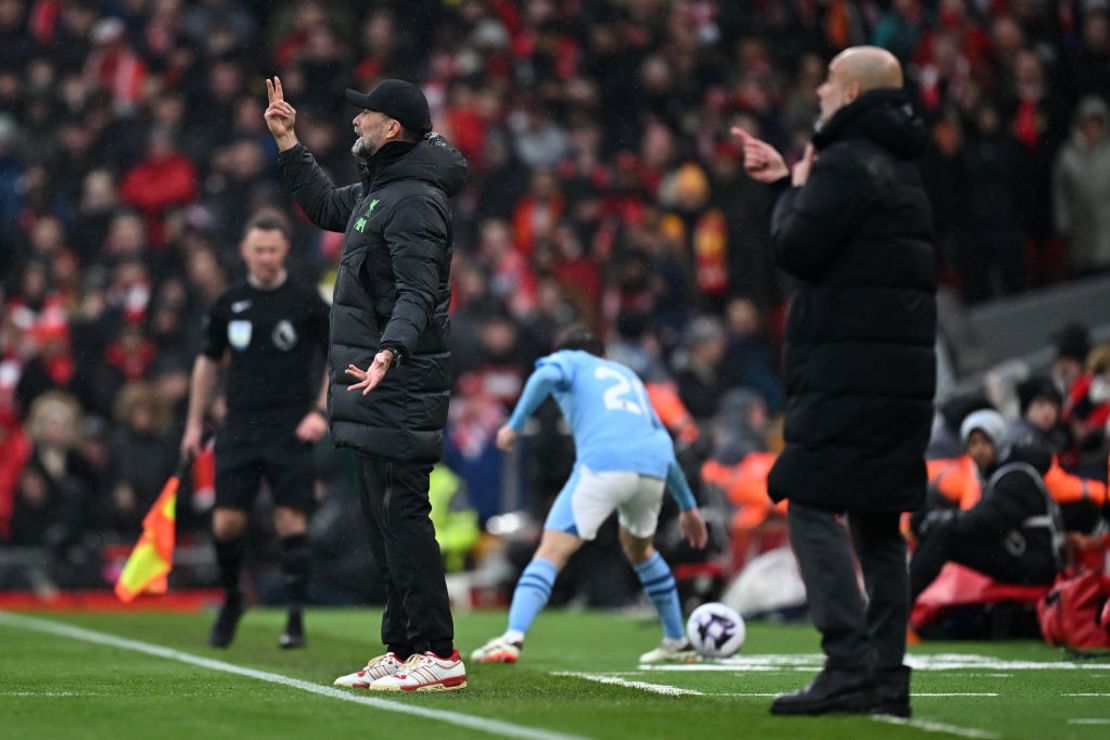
(163, 179)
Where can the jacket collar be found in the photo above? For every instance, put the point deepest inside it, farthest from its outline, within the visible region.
(390, 153)
(885, 117)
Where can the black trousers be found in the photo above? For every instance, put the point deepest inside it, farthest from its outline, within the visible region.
(854, 636)
(946, 544)
(395, 504)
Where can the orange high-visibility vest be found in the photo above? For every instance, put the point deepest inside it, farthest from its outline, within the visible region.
(672, 412)
(956, 479)
(1068, 488)
(745, 485)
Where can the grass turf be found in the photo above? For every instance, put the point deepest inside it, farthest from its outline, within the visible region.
(57, 687)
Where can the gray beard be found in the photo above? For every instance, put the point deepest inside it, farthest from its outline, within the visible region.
(362, 148)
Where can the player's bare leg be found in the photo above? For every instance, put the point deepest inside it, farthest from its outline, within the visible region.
(531, 595)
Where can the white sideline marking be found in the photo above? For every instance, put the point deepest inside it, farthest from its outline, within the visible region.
(655, 688)
(491, 726)
(614, 679)
(47, 693)
(1098, 695)
(1092, 721)
(929, 725)
(920, 724)
(915, 695)
(814, 662)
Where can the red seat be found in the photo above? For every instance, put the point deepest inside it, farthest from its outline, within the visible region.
(960, 586)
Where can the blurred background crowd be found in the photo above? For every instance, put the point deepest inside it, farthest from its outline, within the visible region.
(604, 188)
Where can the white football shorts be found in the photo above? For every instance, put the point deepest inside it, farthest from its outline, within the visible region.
(588, 498)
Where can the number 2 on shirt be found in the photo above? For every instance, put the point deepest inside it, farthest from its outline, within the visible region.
(615, 396)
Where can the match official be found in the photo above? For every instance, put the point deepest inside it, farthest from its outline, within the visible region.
(271, 332)
(854, 230)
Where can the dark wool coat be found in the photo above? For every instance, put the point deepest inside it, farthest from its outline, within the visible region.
(391, 290)
(859, 363)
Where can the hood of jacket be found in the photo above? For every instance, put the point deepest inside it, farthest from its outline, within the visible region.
(431, 159)
(885, 117)
(1032, 451)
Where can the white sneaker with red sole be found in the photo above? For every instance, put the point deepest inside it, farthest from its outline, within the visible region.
(425, 672)
(497, 650)
(379, 667)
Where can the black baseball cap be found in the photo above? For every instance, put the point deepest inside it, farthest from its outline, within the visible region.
(399, 100)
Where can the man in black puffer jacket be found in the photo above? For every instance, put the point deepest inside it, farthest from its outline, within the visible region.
(855, 232)
(389, 335)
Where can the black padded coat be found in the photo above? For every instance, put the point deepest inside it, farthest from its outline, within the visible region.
(391, 290)
(859, 363)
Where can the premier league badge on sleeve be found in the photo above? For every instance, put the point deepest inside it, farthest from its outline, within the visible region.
(239, 334)
(284, 336)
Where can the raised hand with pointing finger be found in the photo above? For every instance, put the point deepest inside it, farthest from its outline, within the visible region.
(762, 161)
(280, 116)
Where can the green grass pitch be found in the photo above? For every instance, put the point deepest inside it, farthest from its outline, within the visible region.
(55, 686)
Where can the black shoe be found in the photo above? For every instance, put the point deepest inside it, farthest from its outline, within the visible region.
(841, 691)
(893, 692)
(223, 631)
(293, 637)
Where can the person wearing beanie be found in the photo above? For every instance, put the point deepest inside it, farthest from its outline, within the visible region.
(1039, 401)
(1081, 498)
(1014, 534)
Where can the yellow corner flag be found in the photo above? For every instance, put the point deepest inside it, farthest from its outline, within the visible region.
(152, 558)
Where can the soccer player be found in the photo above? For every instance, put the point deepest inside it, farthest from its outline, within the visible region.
(272, 333)
(625, 459)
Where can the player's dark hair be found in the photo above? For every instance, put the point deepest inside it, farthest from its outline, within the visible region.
(269, 220)
(581, 337)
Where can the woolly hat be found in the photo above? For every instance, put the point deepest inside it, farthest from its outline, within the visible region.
(1036, 387)
(990, 423)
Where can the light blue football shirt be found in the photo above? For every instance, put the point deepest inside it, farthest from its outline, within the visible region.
(607, 408)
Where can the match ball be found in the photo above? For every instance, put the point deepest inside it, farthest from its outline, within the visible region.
(716, 631)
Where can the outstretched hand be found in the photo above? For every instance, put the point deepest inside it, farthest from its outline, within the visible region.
(369, 378)
(694, 529)
(280, 116)
(762, 161)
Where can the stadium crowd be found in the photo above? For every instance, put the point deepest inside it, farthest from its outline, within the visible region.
(604, 188)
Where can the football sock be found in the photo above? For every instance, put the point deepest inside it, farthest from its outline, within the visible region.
(531, 594)
(403, 652)
(294, 566)
(443, 649)
(655, 575)
(229, 556)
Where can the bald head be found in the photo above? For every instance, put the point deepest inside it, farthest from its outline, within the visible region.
(853, 72)
(870, 67)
